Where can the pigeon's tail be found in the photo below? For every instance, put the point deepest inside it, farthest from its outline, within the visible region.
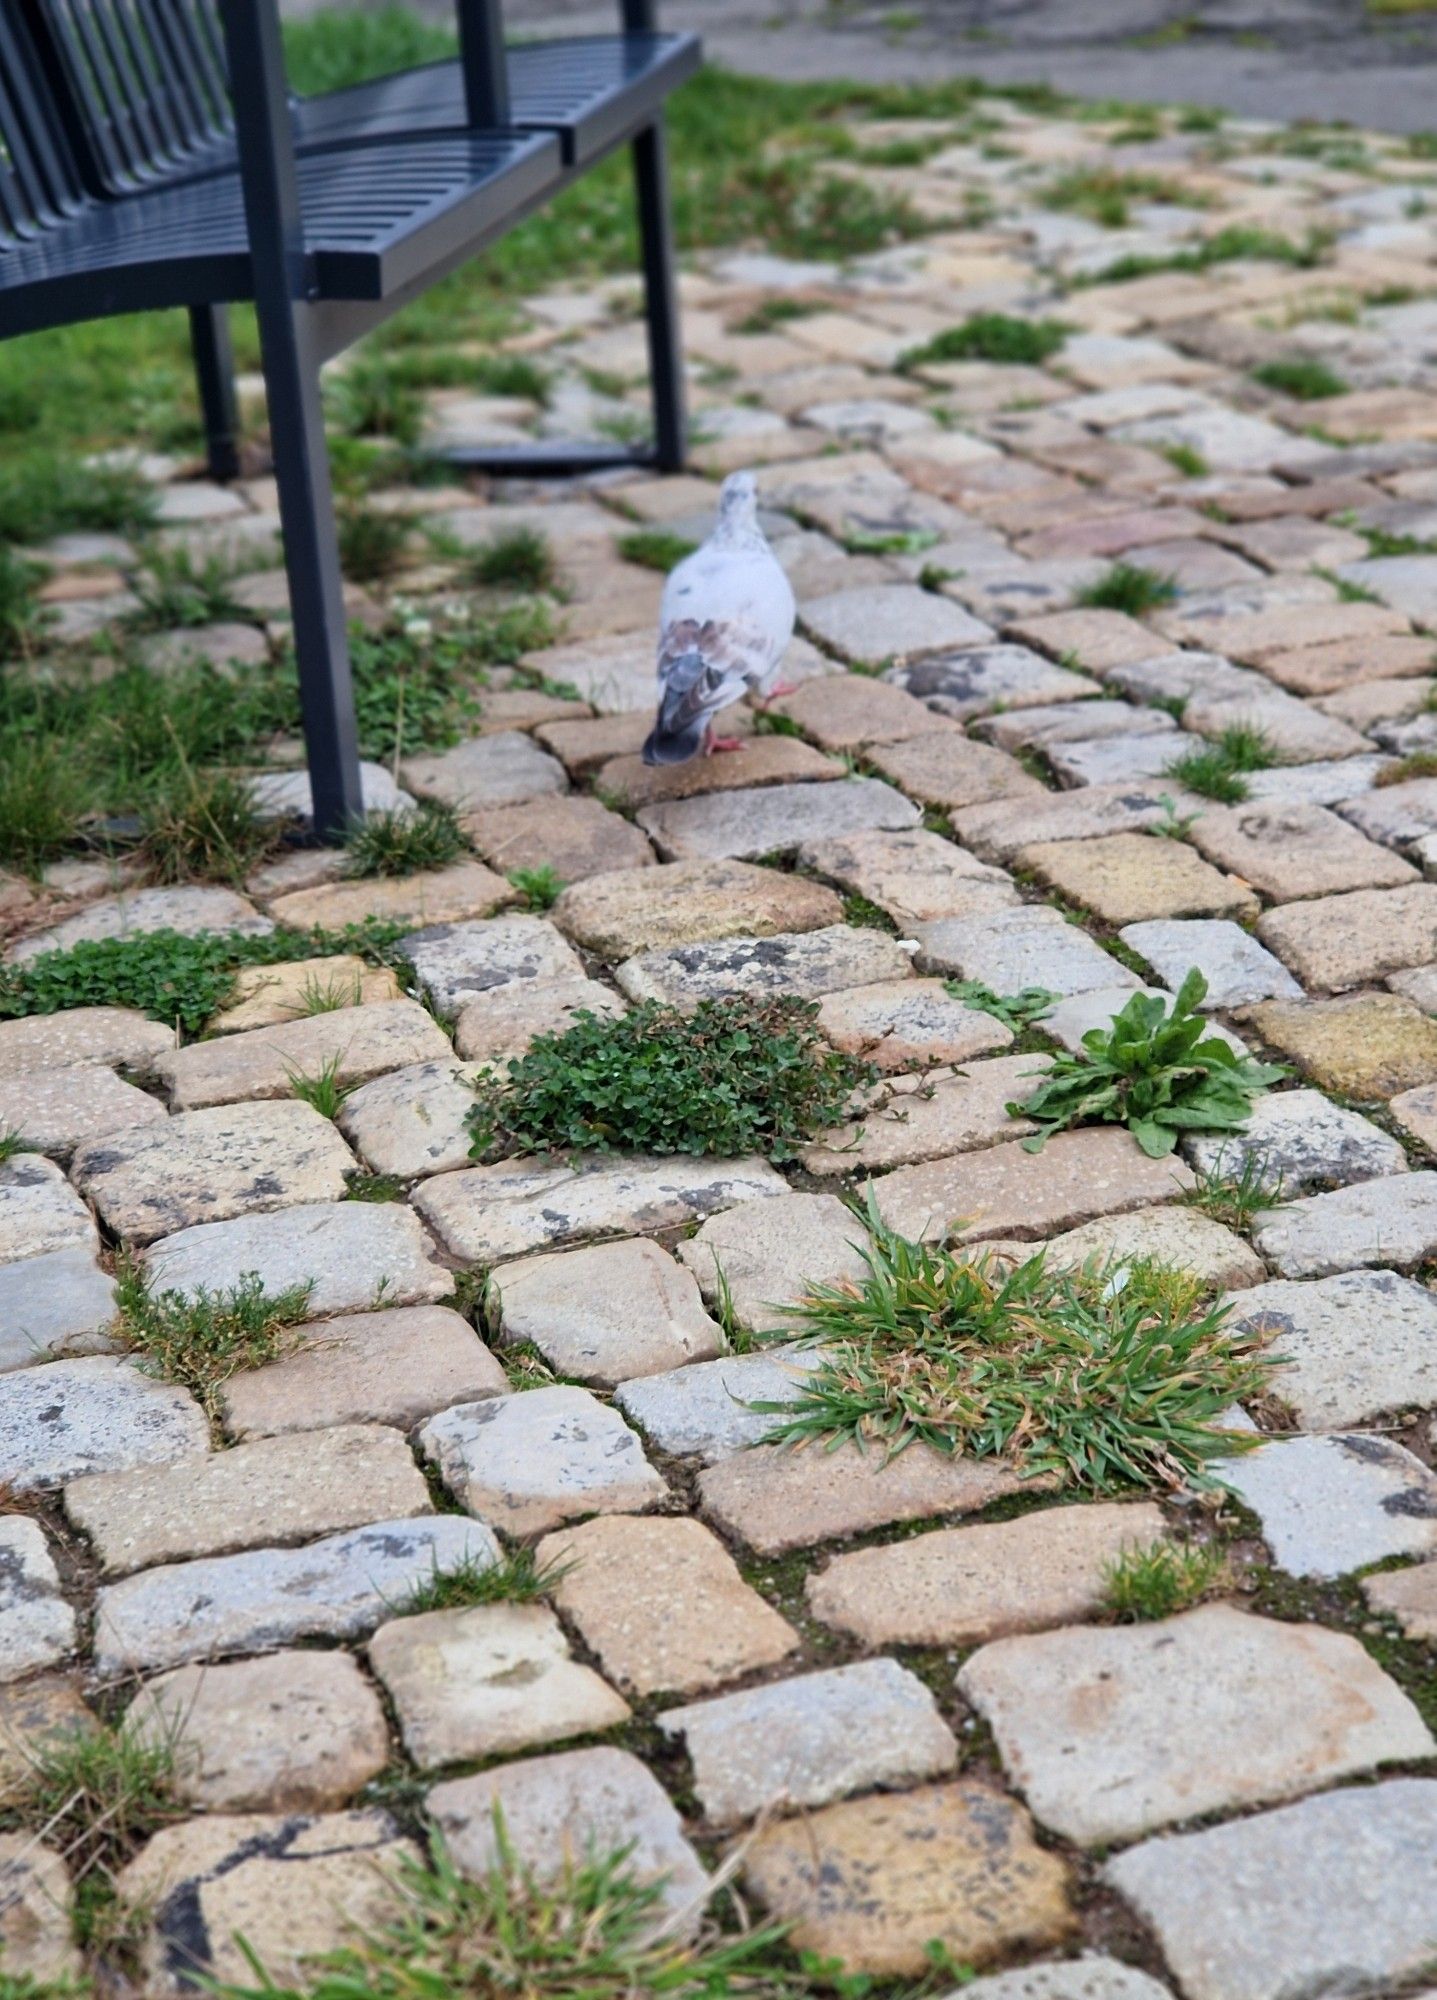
(686, 706)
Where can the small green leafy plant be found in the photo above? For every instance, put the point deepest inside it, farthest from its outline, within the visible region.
(1102, 1377)
(404, 842)
(1015, 1010)
(734, 1076)
(1306, 381)
(991, 337)
(1162, 1579)
(201, 1339)
(1158, 1070)
(1129, 587)
(540, 887)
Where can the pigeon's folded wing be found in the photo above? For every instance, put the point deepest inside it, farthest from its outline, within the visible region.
(703, 668)
(742, 593)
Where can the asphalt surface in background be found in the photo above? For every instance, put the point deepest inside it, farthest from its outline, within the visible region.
(1316, 59)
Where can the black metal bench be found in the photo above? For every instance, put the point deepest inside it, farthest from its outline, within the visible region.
(151, 156)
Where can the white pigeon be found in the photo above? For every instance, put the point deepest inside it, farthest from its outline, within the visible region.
(724, 626)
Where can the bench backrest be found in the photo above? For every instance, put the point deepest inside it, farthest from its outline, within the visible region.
(40, 180)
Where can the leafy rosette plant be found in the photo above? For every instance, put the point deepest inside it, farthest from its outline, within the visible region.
(1158, 1069)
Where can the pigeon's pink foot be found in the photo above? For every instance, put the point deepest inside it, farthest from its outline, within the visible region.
(775, 693)
(716, 743)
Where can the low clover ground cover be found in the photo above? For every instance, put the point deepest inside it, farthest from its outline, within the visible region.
(734, 1076)
(1159, 1069)
(1102, 1377)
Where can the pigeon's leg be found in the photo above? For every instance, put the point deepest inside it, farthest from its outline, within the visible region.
(714, 743)
(775, 693)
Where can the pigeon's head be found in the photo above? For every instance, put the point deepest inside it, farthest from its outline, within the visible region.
(738, 501)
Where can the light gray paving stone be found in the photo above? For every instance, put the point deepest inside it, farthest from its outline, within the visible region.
(1298, 734)
(765, 1255)
(610, 1311)
(1325, 783)
(1332, 1504)
(999, 831)
(1352, 1346)
(1069, 1020)
(64, 1419)
(1237, 969)
(338, 1588)
(455, 962)
(356, 1255)
(354, 1043)
(706, 1411)
(212, 1166)
(1110, 760)
(394, 1367)
(1112, 1731)
(975, 680)
(487, 1681)
(1392, 1220)
(816, 1737)
(1071, 722)
(932, 1116)
(52, 1306)
(488, 1213)
(291, 1732)
(37, 1626)
(773, 819)
(914, 877)
(290, 795)
(412, 1121)
(1407, 583)
(909, 1024)
(871, 625)
(1418, 985)
(1180, 676)
(503, 1022)
(1301, 1139)
(1184, 1239)
(1091, 1977)
(273, 1490)
(188, 910)
(54, 1110)
(36, 1912)
(527, 1462)
(1337, 1893)
(115, 1036)
(806, 966)
(40, 1211)
(498, 770)
(1032, 945)
(1396, 814)
(292, 1886)
(558, 1809)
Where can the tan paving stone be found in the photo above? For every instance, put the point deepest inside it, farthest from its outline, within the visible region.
(292, 1732)
(497, 770)
(359, 1042)
(662, 1605)
(1098, 639)
(1183, 1239)
(1375, 1046)
(36, 1904)
(908, 1024)
(285, 1489)
(56, 1110)
(1111, 1732)
(931, 1117)
(114, 1036)
(608, 1312)
(434, 896)
(915, 877)
(1416, 1112)
(874, 1882)
(530, 1461)
(763, 1256)
(776, 1498)
(1004, 1191)
(1128, 878)
(486, 1681)
(762, 761)
(1348, 663)
(1338, 942)
(804, 965)
(763, 820)
(212, 1166)
(962, 1586)
(501, 1023)
(1409, 1596)
(1000, 830)
(618, 916)
(39, 1711)
(845, 711)
(576, 837)
(1289, 852)
(291, 1886)
(943, 768)
(265, 996)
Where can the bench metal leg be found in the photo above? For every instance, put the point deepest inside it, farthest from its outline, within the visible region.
(661, 298)
(215, 373)
(311, 555)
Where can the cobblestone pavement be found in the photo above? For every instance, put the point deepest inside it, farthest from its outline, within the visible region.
(904, 1676)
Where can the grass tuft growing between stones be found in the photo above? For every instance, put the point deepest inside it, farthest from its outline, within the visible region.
(1103, 1377)
(1305, 381)
(1219, 771)
(1018, 1011)
(94, 1796)
(655, 548)
(593, 1932)
(200, 1340)
(991, 337)
(12, 1144)
(1420, 764)
(1129, 587)
(1158, 1070)
(406, 841)
(1234, 1195)
(204, 826)
(519, 559)
(540, 887)
(322, 1092)
(1162, 1579)
(516, 1578)
(734, 1076)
